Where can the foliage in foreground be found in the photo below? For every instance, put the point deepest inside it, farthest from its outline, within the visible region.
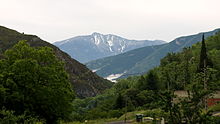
(33, 83)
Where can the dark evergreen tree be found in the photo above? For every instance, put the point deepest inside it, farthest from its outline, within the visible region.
(204, 62)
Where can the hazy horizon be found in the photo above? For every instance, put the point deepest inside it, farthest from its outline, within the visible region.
(55, 20)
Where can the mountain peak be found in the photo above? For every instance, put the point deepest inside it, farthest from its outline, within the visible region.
(97, 45)
(96, 33)
(97, 38)
(104, 35)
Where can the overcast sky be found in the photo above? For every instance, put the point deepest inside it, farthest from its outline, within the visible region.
(55, 20)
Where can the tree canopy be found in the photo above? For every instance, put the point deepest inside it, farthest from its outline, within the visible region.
(33, 81)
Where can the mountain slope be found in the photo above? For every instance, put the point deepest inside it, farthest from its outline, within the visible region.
(148, 57)
(85, 83)
(95, 46)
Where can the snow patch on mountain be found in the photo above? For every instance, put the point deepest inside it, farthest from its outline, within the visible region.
(110, 43)
(113, 77)
(97, 40)
(95, 46)
(95, 70)
(122, 46)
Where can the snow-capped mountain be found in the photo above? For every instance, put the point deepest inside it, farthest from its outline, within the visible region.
(141, 60)
(96, 46)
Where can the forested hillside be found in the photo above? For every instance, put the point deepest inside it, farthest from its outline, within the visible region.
(196, 70)
(85, 82)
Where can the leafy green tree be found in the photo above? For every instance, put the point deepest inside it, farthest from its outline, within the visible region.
(148, 99)
(130, 97)
(186, 70)
(192, 106)
(142, 83)
(119, 103)
(170, 75)
(152, 81)
(148, 82)
(35, 82)
(173, 109)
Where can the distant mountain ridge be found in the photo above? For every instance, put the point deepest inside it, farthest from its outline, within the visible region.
(85, 82)
(95, 46)
(139, 61)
